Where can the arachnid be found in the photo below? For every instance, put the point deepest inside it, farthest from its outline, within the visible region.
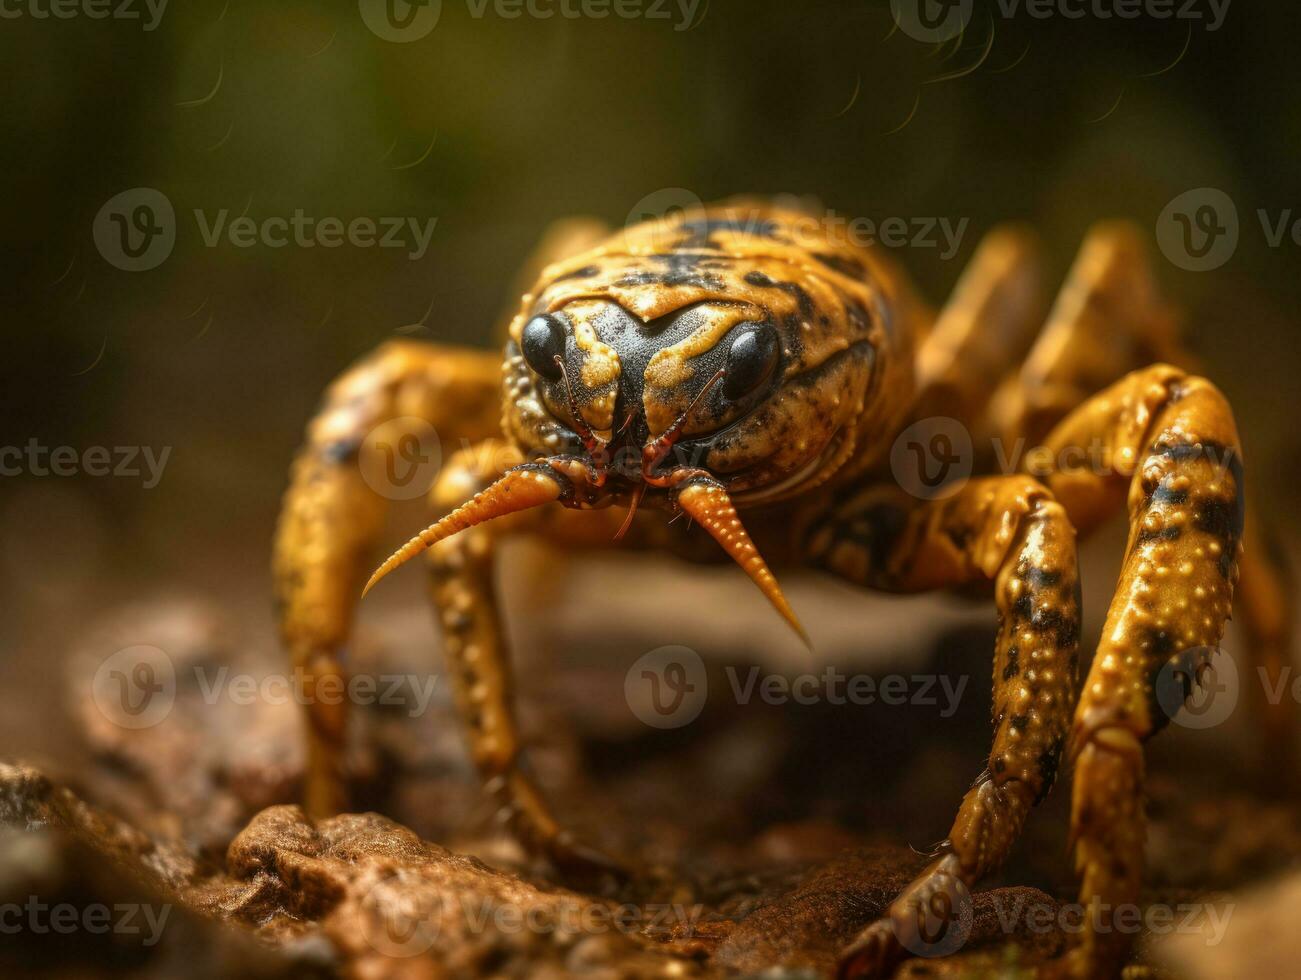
(740, 364)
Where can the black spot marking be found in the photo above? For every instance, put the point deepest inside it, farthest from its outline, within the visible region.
(1038, 578)
(1171, 533)
(672, 278)
(341, 451)
(1220, 517)
(1048, 762)
(1164, 495)
(843, 264)
(1160, 642)
(1020, 722)
(700, 231)
(859, 319)
(1013, 663)
(802, 297)
(875, 530)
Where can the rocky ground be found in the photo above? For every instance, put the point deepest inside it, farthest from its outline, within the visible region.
(777, 830)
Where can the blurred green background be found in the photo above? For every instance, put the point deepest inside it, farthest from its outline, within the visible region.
(495, 125)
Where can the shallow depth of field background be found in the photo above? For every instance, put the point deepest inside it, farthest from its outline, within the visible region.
(495, 126)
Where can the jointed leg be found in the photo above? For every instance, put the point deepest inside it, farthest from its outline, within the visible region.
(331, 516)
(1109, 320)
(1011, 532)
(1173, 447)
(984, 329)
(464, 595)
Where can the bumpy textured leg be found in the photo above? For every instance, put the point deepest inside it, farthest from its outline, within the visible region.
(464, 593)
(1109, 320)
(332, 515)
(1011, 532)
(1168, 442)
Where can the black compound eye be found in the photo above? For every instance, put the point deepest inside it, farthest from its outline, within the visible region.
(750, 361)
(542, 339)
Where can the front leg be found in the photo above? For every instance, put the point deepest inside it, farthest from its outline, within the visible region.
(1173, 448)
(333, 514)
(1011, 532)
(463, 589)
